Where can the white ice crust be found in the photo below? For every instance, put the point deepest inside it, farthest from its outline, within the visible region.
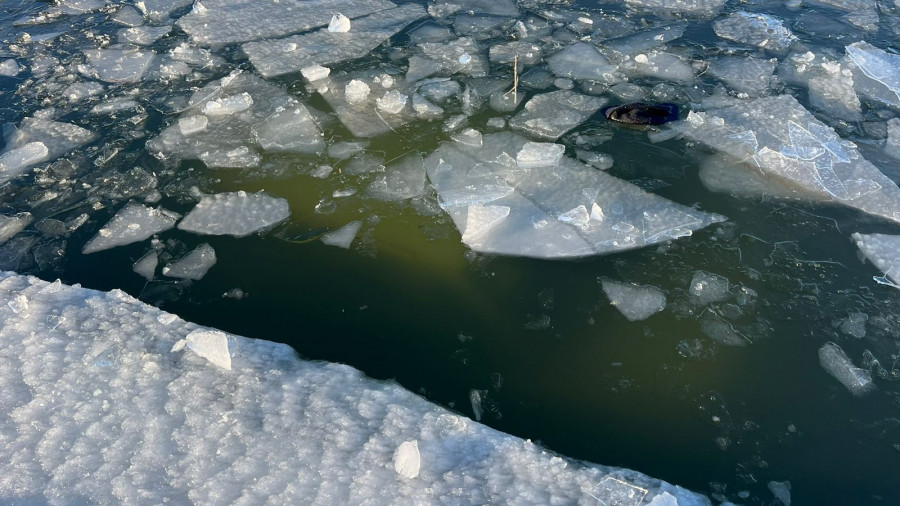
(98, 407)
(134, 222)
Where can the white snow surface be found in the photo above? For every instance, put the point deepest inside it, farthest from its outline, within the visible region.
(99, 408)
(237, 214)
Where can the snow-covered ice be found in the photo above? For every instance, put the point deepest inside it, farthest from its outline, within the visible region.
(133, 223)
(833, 359)
(237, 214)
(883, 251)
(635, 302)
(564, 209)
(194, 265)
(179, 426)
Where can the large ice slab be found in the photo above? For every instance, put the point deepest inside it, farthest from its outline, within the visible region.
(237, 214)
(559, 209)
(581, 61)
(830, 83)
(324, 47)
(134, 222)
(755, 29)
(786, 142)
(98, 405)
(228, 122)
(884, 251)
(877, 73)
(120, 65)
(549, 115)
(229, 21)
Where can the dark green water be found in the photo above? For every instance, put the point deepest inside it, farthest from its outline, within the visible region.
(559, 364)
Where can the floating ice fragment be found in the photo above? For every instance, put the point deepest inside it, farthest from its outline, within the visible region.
(782, 491)
(146, 265)
(539, 154)
(879, 76)
(550, 115)
(635, 302)
(356, 92)
(194, 265)
(883, 251)
(237, 214)
(228, 105)
(16, 160)
(339, 24)
(835, 362)
(12, 225)
(343, 237)
(315, 72)
(192, 124)
(581, 61)
(707, 288)
(755, 29)
(404, 179)
(9, 68)
(211, 345)
(135, 222)
(120, 65)
(392, 102)
(407, 459)
(695, 8)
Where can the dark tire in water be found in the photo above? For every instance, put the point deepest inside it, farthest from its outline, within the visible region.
(640, 113)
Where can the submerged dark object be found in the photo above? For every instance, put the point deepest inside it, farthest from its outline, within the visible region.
(640, 113)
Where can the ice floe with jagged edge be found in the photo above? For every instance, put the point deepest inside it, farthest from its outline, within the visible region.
(404, 179)
(37, 140)
(134, 222)
(549, 115)
(220, 22)
(324, 47)
(558, 210)
(884, 252)
(635, 302)
(744, 74)
(691, 8)
(785, 141)
(368, 103)
(755, 29)
(192, 266)
(120, 64)
(238, 214)
(228, 122)
(876, 73)
(833, 359)
(201, 396)
(830, 83)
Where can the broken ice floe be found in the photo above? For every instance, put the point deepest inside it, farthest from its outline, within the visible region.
(12, 225)
(236, 214)
(550, 115)
(877, 73)
(209, 344)
(561, 209)
(368, 103)
(785, 141)
(404, 179)
(707, 288)
(342, 237)
(755, 29)
(229, 121)
(744, 74)
(694, 8)
(326, 47)
(135, 222)
(830, 83)
(146, 265)
(836, 363)
(883, 251)
(635, 302)
(38, 140)
(194, 265)
(581, 61)
(118, 65)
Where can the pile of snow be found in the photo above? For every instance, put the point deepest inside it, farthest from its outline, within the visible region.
(109, 400)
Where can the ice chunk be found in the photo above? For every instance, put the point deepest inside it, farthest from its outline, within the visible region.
(392, 102)
(612, 490)
(117, 65)
(707, 288)
(463, 56)
(892, 144)
(407, 459)
(273, 57)
(883, 251)
(236, 214)
(878, 75)
(356, 92)
(855, 325)
(343, 237)
(550, 115)
(223, 22)
(9, 68)
(211, 345)
(693, 8)
(134, 222)
(17, 160)
(547, 213)
(830, 83)
(358, 110)
(581, 61)
(194, 265)
(143, 35)
(788, 143)
(12, 225)
(293, 130)
(744, 74)
(228, 105)
(782, 491)
(402, 180)
(146, 265)
(223, 430)
(24, 146)
(315, 72)
(339, 24)
(635, 302)
(833, 359)
(755, 29)
(659, 65)
(539, 154)
(525, 52)
(192, 124)
(77, 92)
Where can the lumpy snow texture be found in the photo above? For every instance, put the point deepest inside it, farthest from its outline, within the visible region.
(102, 407)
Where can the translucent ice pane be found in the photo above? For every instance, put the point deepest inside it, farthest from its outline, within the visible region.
(135, 222)
(236, 214)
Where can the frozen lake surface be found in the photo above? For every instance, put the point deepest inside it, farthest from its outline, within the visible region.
(430, 193)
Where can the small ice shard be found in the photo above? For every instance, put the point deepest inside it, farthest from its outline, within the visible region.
(480, 219)
(707, 288)
(855, 325)
(539, 154)
(228, 105)
(755, 29)
(192, 124)
(356, 92)
(194, 265)
(884, 251)
(146, 265)
(782, 491)
(407, 460)
(211, 345)
(597, 212)
(315, 72)
(392, 102)
(19, 304)
(476, 398)
(12, 225)
(135, 222)
(577, 216)
(9, 68)
(322, 171)
(833, 359)
(237, 214)
(339, 24)
(635, 302)
(343, 237)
